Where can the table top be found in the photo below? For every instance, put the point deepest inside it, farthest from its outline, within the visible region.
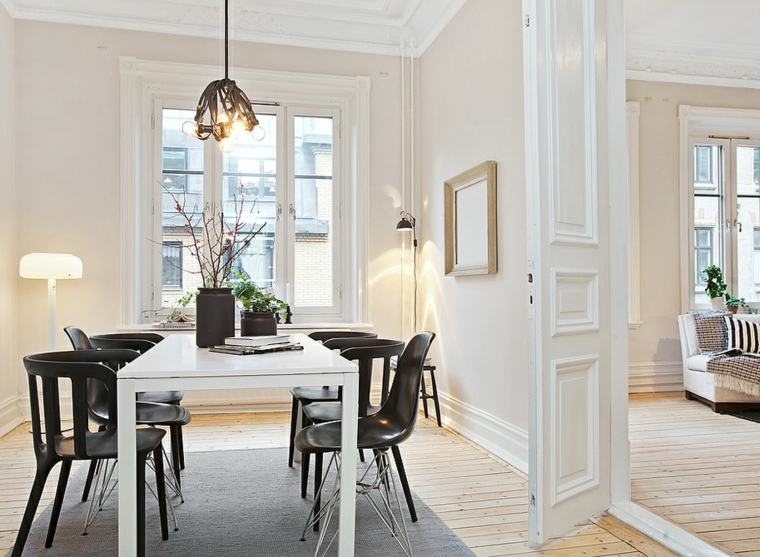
(178, 356)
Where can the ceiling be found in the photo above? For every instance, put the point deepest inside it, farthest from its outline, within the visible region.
(699, 41)
(374, 26)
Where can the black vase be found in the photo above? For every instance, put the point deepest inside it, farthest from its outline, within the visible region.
(257, 323)
(215, 316)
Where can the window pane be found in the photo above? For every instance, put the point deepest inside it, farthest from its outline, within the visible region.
(182, 182)
(746, 170)
(250, 189)
(707, 216)
(314, 212)
(172, 267)
(703, 163)
(748, 248)
(703, 248)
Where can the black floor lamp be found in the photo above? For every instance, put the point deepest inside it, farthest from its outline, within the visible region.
(406, 224)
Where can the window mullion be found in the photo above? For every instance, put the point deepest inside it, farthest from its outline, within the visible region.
(729, 217)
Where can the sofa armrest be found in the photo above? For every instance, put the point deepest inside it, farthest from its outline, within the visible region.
(688, 333)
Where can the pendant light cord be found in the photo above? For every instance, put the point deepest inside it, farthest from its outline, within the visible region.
(226, 40)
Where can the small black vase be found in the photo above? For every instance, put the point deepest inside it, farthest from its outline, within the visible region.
(257, 323)
(215, 316)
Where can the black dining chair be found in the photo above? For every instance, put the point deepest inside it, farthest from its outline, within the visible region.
(172, 416)
(365, 352)
(53, 443)
(138, 341)
(381, 431)
(303, 396)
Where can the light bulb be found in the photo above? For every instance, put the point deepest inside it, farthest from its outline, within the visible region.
(258, 133)
(190, 128)
(227, 145)
(238, 129)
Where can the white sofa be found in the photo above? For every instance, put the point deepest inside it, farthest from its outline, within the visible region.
(697, 383)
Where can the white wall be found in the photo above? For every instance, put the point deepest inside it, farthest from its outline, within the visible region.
(68, 162)
(472, 110)
(654, 348)
(9, 365)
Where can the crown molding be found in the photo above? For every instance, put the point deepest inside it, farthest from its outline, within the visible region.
(10, 7)
(678, 67)
(386, 27)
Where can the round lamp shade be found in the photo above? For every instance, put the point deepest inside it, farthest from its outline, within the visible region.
(50, 266)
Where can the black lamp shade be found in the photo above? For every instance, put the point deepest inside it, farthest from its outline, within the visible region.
(404, 224)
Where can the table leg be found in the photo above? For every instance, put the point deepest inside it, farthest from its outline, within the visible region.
(127, 469)
(349, 419)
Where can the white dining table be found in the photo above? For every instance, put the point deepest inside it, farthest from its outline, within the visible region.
(177, 364)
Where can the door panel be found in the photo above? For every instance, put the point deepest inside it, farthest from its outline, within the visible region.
(569, 262)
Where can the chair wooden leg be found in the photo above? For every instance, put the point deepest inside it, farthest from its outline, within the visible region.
(63, 480)
(404, 482)
(318, 459)
(180, 448)
(423, 388)
(88, 481)
(31, 509)
(176, 432)
(158, 459)
(293, 422)
(435, 398)
(304, 462)
(304, 474)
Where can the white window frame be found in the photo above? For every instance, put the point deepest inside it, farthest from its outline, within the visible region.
(697, 123)
(144, 83)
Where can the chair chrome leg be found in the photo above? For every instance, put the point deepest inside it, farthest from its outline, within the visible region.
(101, 489)
(383, 484)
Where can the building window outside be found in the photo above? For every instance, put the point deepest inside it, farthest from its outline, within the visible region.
(703, 164)
(703, 252)
(172, 266)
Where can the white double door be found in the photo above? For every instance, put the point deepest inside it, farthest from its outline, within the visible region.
(577, 249)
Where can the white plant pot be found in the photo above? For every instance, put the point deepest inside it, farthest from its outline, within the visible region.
(717, 303)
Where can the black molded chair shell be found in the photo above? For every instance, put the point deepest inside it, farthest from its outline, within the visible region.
(303, 396)
(155, 408)
(322, 336)
(394, 422)
(80, 368)
(364, 351)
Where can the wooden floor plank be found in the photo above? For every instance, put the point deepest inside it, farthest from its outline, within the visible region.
(483, 499)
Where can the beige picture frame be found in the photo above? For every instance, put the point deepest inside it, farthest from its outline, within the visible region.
(469, 205)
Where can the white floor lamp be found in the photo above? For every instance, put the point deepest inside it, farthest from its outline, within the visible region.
(50, 266)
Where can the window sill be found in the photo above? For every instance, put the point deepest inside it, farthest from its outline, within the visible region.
(294, 328)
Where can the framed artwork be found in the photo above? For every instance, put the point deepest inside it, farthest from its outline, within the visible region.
(470, 221)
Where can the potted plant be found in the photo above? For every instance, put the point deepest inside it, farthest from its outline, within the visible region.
(716, 287)
(217, 240)
(733, 304)
(259, 307)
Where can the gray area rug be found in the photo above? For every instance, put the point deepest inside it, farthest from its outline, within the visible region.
(237, 504)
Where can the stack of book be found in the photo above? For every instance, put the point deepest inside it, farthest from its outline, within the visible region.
(256, 345)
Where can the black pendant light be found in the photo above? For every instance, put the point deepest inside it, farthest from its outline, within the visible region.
(230, 113)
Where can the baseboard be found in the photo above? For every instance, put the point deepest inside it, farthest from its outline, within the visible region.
(650, 377)
(663, 531)
(498, 437)
(10, 414)
(231, 401)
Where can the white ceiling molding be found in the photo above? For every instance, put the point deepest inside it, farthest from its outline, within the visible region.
(370, 26)
(651, 65)
(10, 7)
(687, 41)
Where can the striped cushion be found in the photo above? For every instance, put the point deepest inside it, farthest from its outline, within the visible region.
(742, 334)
